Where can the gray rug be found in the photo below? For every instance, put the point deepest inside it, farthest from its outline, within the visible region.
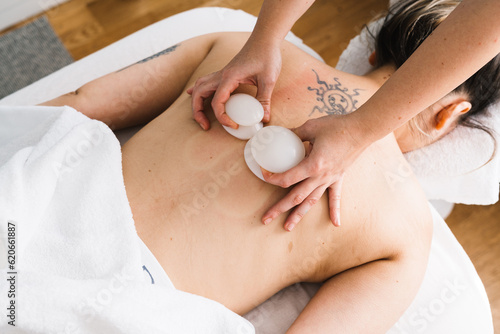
(28, 54)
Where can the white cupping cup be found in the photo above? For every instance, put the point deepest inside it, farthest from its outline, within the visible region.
(277, 149)
(274, 148)
(247, 112)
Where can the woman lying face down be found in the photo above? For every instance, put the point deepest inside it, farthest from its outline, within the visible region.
(198, 208)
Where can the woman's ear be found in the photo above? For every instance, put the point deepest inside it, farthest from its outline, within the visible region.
(373, 59)
(449, 113)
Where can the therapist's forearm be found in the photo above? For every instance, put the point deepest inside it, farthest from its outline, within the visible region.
(461, 45)
(276, 18)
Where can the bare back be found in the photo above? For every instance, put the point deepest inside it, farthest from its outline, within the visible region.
(198, 208)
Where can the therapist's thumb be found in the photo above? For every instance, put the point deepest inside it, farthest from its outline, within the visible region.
(306, 131)
(264, 93)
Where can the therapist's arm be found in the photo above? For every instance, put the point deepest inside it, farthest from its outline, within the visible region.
(277, 17)
(258, 63)
(460, 46)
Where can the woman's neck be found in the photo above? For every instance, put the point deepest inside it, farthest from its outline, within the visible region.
(404, 135)
(380, 75)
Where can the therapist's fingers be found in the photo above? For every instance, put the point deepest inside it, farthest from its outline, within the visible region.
(295, 197)
(202, 89)
(299, 212)
(221, 96)
(307, 131)
(294, 175)
(201, 119)
(334, 196)
(198, 110)
(311, 165)
(200, 84)
(264, 93)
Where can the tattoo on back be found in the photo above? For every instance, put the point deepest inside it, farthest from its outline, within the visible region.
(156, 55)
(334, 99)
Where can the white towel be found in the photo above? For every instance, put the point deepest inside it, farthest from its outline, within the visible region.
(454, 168)
(78, 267)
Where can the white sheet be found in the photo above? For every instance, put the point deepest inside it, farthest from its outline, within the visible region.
(469, 312)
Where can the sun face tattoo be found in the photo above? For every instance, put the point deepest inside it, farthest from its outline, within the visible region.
(333, 98)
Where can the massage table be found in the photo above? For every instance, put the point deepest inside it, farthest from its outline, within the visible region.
(452, 298)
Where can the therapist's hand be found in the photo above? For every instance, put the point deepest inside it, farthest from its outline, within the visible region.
(258, 63)
(335, 146)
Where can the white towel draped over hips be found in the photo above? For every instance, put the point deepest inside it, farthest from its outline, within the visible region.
(78, 267)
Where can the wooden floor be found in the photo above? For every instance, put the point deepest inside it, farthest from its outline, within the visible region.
(477, 228)
(85, 26)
